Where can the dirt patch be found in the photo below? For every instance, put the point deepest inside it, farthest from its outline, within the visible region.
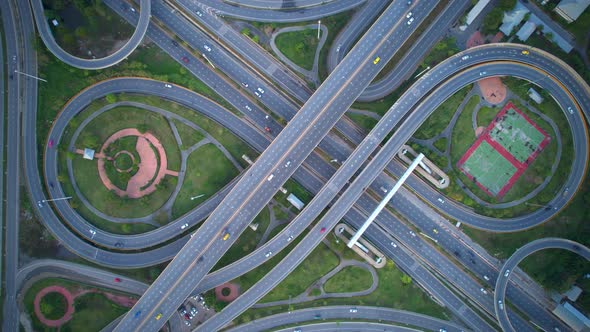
(479, 130)
(492, 90)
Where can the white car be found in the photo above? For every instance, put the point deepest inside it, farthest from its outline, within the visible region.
(268, 254)
(257, 94)
(261, 90)
(207, 48)
(483, 291)
(569, 109)
(410, 20)
(290, 238)
(248, 108)
(393, 244)
(486, 278)
(501, 305)
(244, 84)
(482, 73)
(288, 163)
(506, 273)
(441, 200)
(199, 13)
(168, 86)
(184, 226)
(465, 57)
(409, 15)
(353, 310)
(40, 204)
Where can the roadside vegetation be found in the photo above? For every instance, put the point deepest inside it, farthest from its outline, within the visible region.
(299, 46)
(350, 279)
(86, 29)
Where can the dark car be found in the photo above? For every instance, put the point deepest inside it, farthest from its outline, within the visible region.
(185, 59)
(175, 43)
(117, 279)
(137, 314)
(50, 143)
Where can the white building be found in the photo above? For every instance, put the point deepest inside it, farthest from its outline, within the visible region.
(570, 10)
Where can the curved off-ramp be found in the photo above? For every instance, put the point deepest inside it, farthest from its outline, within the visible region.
(512, 262)
(47, 36)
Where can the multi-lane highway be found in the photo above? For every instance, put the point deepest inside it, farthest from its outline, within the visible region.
(491, 61)
(500, 305)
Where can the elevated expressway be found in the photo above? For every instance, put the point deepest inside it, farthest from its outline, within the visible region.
(512, 263)
(375, 314)
(47, 36)
(452, 209)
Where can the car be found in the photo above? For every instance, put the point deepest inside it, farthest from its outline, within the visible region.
(482, 73)
(410, 20)
(507, 273)
(501, 305)
(182, 310)
(245, 85)
(288, 163)
(40, 204)
(441, 200)
(323, 230)
(409, 3)
(393, 244)
(158, 316)
(175, 43)
(409, 15)
(50, 144)
(465, 57)
(187, 323)
(185, 59)
(569, 109)
(486, 278)
(187, 316)
(248, 108)
(270, 177)
(525, 52)
(184, 226)
(435, 231)
(168, 86)
(376, 61)
(442, 330)
(194, 310)
(268, 254)
(257, 94)
(117, 279)
(225, 235)
(199, 14)
(132, 9)
(51, 185)
(290, 238)
(267, 129)
(353, 310)
(137, 314)
(297, 330)
(260, 90)
(207, 48)
(412, 233)
(483, 290)
(338, 48)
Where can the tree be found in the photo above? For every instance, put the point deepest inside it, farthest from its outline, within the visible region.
(492, 21)
(406, 279)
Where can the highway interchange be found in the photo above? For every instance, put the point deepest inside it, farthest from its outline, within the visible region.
(493, 60)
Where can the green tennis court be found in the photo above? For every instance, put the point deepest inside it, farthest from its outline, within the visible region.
(489, 168)
(515, 134)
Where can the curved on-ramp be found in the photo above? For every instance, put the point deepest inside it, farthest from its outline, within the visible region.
(515, 259)
(47, 36)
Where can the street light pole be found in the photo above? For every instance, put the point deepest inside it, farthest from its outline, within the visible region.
(31, 76)
(422, 72)
(198, 196)
(319, 22)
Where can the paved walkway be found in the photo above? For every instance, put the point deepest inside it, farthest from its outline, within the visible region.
(148, 219)
(313, 74)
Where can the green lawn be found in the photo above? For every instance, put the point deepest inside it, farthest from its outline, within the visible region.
(87, 179)
(363, 121)
(485, 115)
(441, 144)
(299, 46)
(463, 135)
(390, 293)
(112, 121)
(53, 305)
(440, 118)
(318, 263)
(208, 170)
(93, 312)
(188, 135)
(349, 279)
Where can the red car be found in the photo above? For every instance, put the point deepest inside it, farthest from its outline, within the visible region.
(267, 129)
(117, 279)
(323, 230)
(185, 59)
(50, 143)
